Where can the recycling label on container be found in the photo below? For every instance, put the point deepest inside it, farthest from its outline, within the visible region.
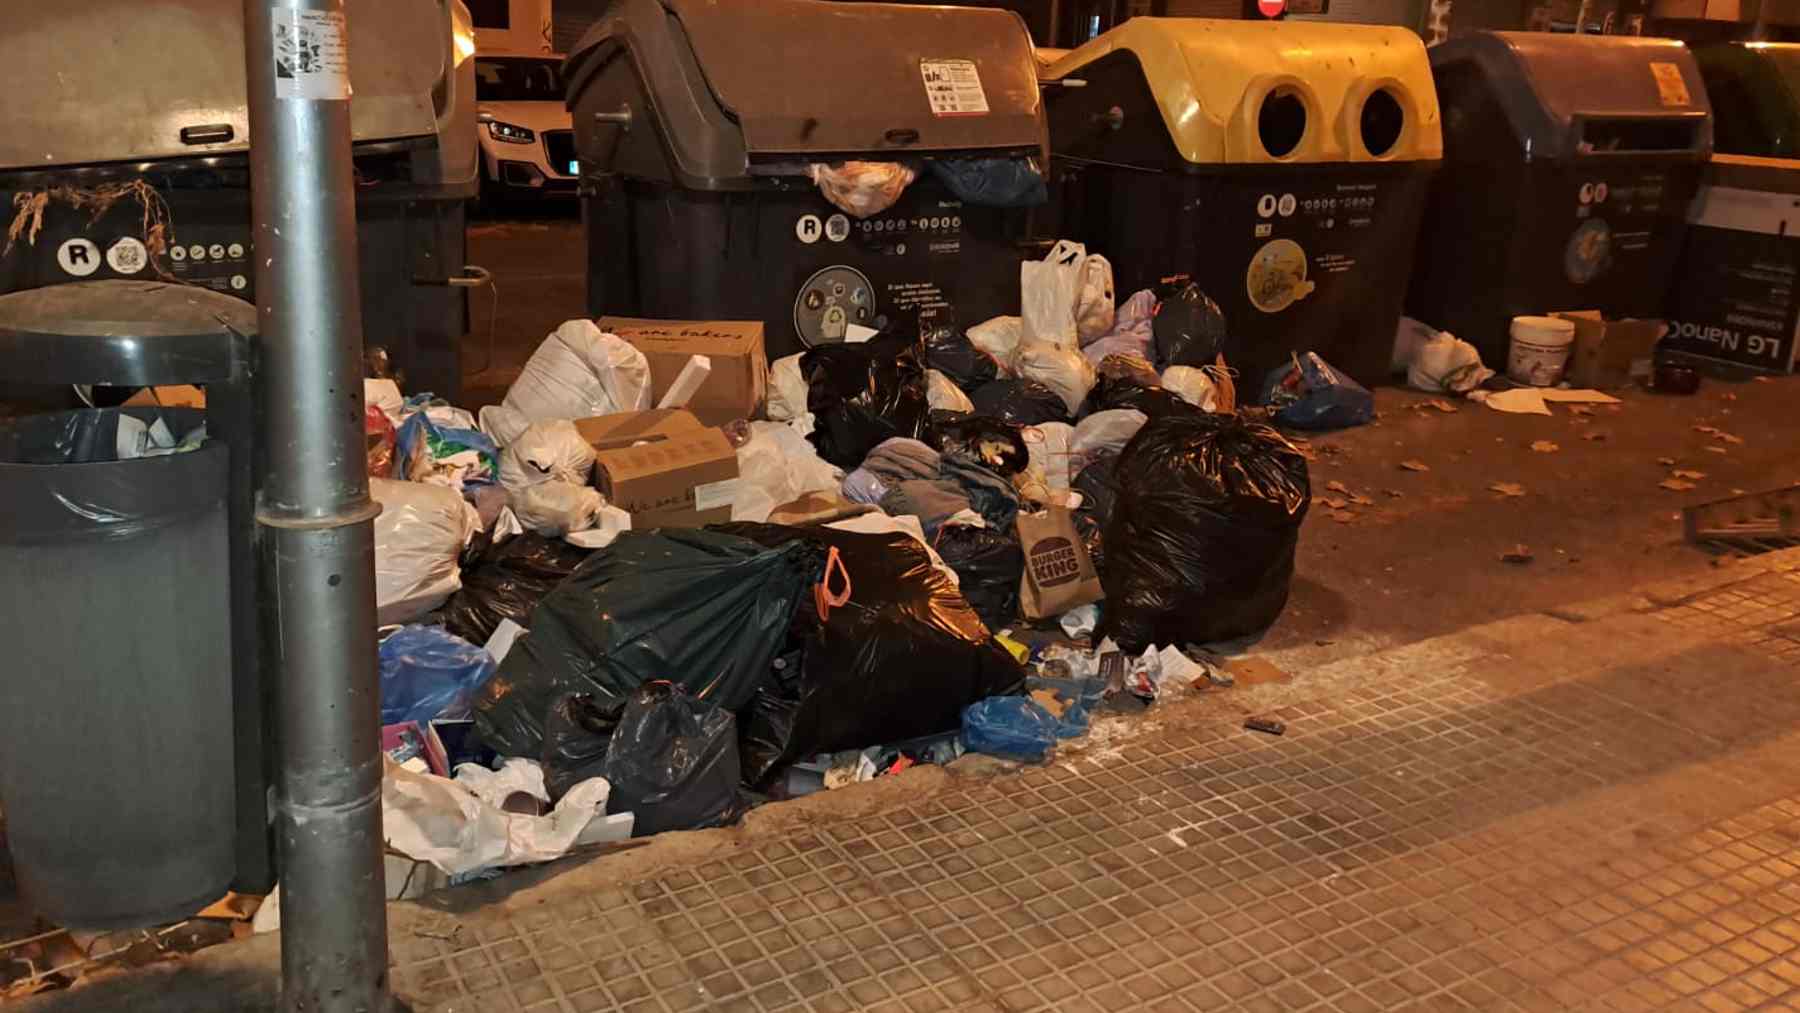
(953, 87)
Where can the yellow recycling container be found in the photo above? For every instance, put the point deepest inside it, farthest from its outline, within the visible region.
(1283, 166)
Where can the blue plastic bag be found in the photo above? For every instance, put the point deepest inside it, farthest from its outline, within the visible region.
(422, 443)
(993, 182)
(427, 673)
(1009, 726)
(1080, 694)
(1308, 394)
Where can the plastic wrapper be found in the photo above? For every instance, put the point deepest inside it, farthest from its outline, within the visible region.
(861, 189)
(378, 431)
(698, 606)
(428, 452)
(1020, 402)
(577, 732)
(999, 446)
(1013, 727)
(787, 389)
(1048, 445)
(999, 337)
(943, 395)
(558, 508)
(673, 762)
(1194, 385)
(776, 465)
(548, 451)
(1200, 545)
(428, 673)
(863, 394)
(988, 564)
(1308, 394)
(577, 372)
(421, 532)
(1132, 330)
(950, 352)
(1102, 434)
(1189, 329)
(1445, 364)
(993, 182)
(899, 659)
(506, 582)
(1063, 370)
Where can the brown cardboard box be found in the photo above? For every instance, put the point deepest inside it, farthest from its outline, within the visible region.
(622, 429)
(687, 480)
(738, 385)
(178, 395)
(1605, 349)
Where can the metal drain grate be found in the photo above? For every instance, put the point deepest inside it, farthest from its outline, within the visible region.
(1746, 525)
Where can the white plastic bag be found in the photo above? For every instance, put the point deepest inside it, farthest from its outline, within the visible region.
(1094, 303)
(1103, 433)
(999, 338)
(1193, 385)
(444, 822)
(1446, 364)
(1047, 293)
(862, 188)
(1062, 369)
(941, 392)
(549, 451)
(777, 465)
(1048, 445)
(557, 508)
(422, 530)
(578, 372)
(385, 395)
(787, 389)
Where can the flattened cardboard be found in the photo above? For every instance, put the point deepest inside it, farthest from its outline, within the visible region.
(179, 395)
(622, 429)
(687, 480)
(1605, 349)
(736, 389)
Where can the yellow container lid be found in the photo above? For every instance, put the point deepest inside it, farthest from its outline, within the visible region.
(1212, 79)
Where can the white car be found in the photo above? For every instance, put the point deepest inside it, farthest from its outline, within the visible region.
(527, 141)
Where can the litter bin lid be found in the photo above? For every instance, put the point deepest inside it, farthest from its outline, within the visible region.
(127, 333)
(813, 79)
(1567, 95)
(1212, 79)
(1754, 88)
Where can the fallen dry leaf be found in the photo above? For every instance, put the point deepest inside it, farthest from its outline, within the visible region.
(1342, 516)
(1336, 486)
(1665, 461)
(1442, 405)
(1715, 450)
(1415, 465)
(1580, 409)
(1675, 484)
(1705, 429)
(1728, 438)
(1361, 500)
(1598, 434)
(1331, 503)
(1762, 379)
(1393, 493)
(1544, 447)
(1731, 397)
(1684, 473)
(1508, 488)
(1518, 555)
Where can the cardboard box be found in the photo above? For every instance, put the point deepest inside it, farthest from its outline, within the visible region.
(1735, 299)
(687, 480)
(178, 395)
(611, 432)
(1606, 349)
(738, 385)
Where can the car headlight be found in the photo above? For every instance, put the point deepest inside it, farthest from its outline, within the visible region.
(510, 134)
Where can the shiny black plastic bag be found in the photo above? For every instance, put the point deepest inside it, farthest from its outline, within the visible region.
(1189, 329)
(507, 581)
(673, 762)
(1126, 392)
(1099, 492)
(997, 445)
(1021, 402)
(863, 394)
(988, 563)
(949, 351)
(1200, 545)
(576, 735)
(699, 607)
(899, 660)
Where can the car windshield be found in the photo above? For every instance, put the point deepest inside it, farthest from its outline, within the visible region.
(518, 79)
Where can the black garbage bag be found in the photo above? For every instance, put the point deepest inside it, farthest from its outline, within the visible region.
(998, 445)
(1021, 402)
(576, 734)
(507, 581)
(949, 351)
(988, 563)
(1200, 546)
(1127, 392)
(862, 394)
(993, 182)
(1189, 329)
(673, 762)
(898, 660)
(1099, 492)
(703, 608)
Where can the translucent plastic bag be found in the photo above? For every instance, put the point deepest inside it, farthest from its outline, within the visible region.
(1094, 302)
(787, 389)
(776, 465)
(1063, 370)
(557, 508)
(999, 338)
(548, 451)
(1103, 434)
(944, 395)
(1048, 290)
(578, 372)
(420, 533)
(378, 431)
(1132, 330)
(1013, 727)
(861, 189)
(1193, 385)
(427, 673)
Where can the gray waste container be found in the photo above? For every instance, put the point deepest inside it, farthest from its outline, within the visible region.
(116, 727)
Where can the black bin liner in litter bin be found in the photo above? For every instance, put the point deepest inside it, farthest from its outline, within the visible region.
(507, 581)
(1200, 547)
(705, 609)
(863, 394)
(673, 762)
(899, 660)
(988, 564)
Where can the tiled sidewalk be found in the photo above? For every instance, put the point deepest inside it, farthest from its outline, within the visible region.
(1539, 814)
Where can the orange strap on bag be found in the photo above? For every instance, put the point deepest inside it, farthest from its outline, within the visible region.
(823, 599)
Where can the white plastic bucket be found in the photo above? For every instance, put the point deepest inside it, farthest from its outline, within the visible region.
(1540, 350)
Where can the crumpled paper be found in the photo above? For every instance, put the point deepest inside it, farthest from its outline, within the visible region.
(458, 826)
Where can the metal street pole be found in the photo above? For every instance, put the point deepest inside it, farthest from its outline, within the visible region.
(315, 514)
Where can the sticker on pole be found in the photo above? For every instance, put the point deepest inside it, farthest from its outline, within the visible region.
(953, 87)
(1669, 85)
(312, 59)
